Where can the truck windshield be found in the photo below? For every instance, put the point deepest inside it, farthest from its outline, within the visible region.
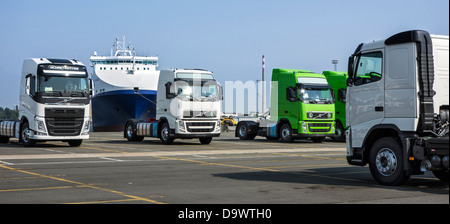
(61, 86)
(61, 80)
(310, 95)
(208, 91)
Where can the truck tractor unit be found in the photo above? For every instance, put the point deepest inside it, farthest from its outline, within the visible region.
(302, 106)
(398, 106)
(338, 82)
(54, 103)
(188, 106)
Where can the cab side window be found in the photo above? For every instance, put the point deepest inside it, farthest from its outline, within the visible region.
(369, 68)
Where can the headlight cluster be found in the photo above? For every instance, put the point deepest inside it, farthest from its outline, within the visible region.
(86, 127)
(181, 126)
(217, 126)
(40, 126)
(304, 127)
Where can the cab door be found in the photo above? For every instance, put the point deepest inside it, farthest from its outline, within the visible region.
(365, 95)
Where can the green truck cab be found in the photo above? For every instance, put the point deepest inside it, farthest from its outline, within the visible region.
(302, 106)
(338, 82)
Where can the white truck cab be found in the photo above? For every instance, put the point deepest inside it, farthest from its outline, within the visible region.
(188, 106)
(398, 106)
(54, 103)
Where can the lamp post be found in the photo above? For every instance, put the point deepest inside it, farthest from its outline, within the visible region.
(334, 62)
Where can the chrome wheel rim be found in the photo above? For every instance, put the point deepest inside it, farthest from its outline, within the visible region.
(164, 133)
(285, 133)
(386, 162)
(130, 131)
(26, 134)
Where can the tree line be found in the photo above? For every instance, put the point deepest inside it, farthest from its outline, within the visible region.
(8, 114)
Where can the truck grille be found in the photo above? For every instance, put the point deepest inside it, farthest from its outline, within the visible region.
(319, 115)
(64, 122)
(200, 126)
(319, 127)
(190, 114)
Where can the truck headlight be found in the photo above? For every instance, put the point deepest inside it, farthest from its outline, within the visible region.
(304, 127)
(217, 126)
(87, 125)
(181, 126)
(40, 126)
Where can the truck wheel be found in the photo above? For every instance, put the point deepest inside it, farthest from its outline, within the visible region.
(75, 143)
(317, 139)
(130, 133)
(25, 136)
(441, 175)
(339, 134)
(165, 134)
(4, 139)
(205, 140)
(386, 162)
(286, 133)
(243, 132)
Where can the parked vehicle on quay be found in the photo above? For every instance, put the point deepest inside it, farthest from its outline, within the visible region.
(302, 106)
(188, 106)
(398, 106)
(54, 103)
(338, 82)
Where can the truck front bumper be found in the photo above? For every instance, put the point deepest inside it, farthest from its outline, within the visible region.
(196, 135)
(58, 138)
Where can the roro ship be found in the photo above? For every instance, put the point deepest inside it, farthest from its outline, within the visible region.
(124, 87)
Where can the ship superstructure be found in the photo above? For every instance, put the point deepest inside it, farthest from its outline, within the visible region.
(125, 87)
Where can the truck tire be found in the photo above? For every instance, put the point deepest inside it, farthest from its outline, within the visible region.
(339, 134)
(243, 134)
(386, 162)
(130, 133)
(205, 140)
(24, 136)
(286, 133)
(75, 143)
(165, 134)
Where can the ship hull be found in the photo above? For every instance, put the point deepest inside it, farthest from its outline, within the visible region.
(110, 110)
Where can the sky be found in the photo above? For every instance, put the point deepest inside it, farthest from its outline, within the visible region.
(226, 37)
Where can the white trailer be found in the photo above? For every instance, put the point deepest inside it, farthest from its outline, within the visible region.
(54, 103)
(398, 106)
(188, 106)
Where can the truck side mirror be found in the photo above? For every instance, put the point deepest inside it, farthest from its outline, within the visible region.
(333, 98)
(350, 82)
(341, 95)
(30, 85)
(221, 92)
(169, 95)
(291, 94)
(91, 87)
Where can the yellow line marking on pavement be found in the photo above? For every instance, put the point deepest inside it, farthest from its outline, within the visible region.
(83, 185)
(105, 150)
(102, 202)
(261, 168)
(216, 164)
(302, 166)
(40, 188)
